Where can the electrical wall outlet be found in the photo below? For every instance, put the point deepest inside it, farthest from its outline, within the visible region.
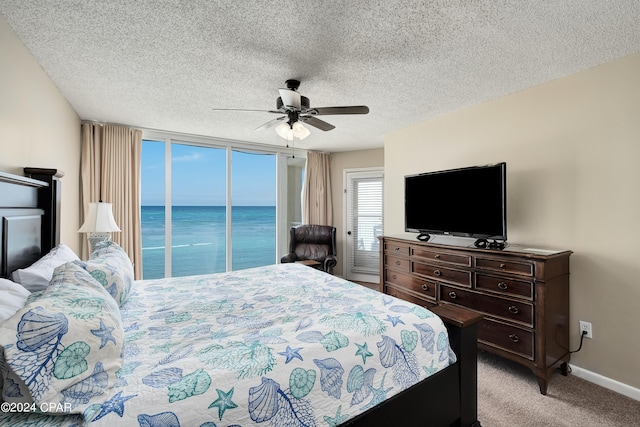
(586, 327)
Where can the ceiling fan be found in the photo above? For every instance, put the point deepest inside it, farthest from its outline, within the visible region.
(295, 109)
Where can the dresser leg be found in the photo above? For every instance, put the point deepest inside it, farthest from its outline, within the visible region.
(542, 382)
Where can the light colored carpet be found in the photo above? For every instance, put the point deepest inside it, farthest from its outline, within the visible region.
(508, 395)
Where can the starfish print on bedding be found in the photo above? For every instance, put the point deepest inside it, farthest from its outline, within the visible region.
(114, 404)
(223, 402)
(104, 333)
(337, 420)
(363, 350)
(379, 394)
(394, 320)
(291, 353)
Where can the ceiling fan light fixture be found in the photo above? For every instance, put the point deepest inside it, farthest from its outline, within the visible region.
(300, 131)
(285, 131)
(294, 110)
(288, 132)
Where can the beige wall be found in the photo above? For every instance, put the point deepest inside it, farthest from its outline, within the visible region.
(339, 162)
(572, 148)
(38, 127)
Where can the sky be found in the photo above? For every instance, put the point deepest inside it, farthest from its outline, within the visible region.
(198, 176)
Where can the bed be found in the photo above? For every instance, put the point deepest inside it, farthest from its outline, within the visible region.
(282, 345)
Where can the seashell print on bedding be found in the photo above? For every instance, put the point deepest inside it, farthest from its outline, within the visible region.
(65, 345)
(281, 345)
(85, 390)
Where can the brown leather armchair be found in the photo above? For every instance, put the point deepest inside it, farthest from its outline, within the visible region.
(313, 242)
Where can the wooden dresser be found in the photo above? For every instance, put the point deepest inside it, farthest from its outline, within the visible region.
(522, 292)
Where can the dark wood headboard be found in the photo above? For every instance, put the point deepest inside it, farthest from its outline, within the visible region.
(29, 217)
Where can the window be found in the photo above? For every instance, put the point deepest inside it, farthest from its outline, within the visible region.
(153, 209)
(253, 210)
(211, 209)
(198, 214)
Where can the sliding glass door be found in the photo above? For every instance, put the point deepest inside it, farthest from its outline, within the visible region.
(198, 215)
(153, 209)
(208, 209)
(253, 209)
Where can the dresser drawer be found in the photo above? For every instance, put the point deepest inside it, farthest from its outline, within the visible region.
(492, 305)
(411, 297)
(421, 286)
(506, 337)
(439, 272)
(458, 259)
(504, 286)
(512, 267)
(397, 263)
(396, 248)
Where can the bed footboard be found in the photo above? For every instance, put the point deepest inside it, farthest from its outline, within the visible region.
(462, 325)
(448, 397)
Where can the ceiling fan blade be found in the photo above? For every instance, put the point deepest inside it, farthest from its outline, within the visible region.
(326, 111)
(246, 110)
(290, 98)
(271, 123)
(317, 123)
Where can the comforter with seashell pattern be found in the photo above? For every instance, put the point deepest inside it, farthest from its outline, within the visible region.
(282, 345)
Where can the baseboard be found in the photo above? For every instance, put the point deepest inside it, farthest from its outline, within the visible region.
(618, 387)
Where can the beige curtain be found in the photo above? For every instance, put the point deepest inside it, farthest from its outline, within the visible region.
(110, 171)
(317, 205)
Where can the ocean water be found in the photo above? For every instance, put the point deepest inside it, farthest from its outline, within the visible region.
(198, 239)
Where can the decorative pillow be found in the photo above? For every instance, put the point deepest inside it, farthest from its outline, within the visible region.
(65, 344)
(37, 276)
(12, 298)
(110, 265)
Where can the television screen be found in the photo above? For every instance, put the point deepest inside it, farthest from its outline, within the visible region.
(468, 202)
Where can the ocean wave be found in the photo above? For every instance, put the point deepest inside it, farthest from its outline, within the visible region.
(178, 246)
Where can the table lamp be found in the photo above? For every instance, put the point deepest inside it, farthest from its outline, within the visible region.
(99, 223)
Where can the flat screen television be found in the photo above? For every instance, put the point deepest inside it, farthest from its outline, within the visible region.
(469, 202)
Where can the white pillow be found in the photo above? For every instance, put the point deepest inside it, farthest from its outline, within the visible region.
(37, 276)
(12, 298)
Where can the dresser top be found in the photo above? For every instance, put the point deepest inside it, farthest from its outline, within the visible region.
(467, 243)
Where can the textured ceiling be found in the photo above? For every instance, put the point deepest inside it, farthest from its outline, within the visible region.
(167, 64)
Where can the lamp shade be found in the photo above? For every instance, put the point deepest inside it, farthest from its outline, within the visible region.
(300, 131)
(99, 219)
(287, 131)
(284, 130)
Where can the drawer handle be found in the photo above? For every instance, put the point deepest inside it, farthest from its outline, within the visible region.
(397, 262)
(394, 276)
(425, 287)
(437, 272)
(453, 295)
(437, 256)
(396, 248)
(503, 265)
(514, 338)
(503, 286)
(513, 309)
